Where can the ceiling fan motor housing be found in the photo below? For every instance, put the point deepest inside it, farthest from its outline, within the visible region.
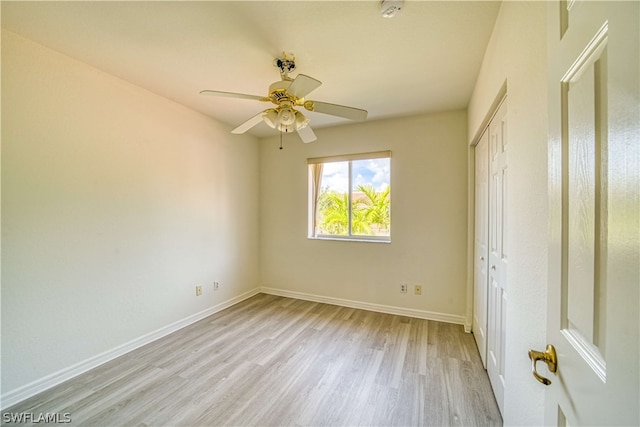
(278, 91)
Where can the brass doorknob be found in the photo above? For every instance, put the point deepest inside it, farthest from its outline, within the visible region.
(549, 357)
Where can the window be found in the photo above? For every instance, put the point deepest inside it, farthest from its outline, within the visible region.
(350, 197)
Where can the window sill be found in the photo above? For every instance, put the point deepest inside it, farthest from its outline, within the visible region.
(349, 239)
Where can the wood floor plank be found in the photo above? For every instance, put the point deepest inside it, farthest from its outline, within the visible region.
(279, 361)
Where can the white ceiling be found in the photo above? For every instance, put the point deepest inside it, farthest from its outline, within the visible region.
(424, 60)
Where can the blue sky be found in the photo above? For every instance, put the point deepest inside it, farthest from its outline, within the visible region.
(373, 171)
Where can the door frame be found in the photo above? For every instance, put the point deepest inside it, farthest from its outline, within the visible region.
(499, 100)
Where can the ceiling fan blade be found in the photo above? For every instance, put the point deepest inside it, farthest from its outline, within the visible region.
(231, 95)
(306, 134)
(336, 110)
(248, 124)
(302, 86)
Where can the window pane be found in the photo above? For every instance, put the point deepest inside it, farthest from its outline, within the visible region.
(333, 203)
(350, 197)
(370, 197)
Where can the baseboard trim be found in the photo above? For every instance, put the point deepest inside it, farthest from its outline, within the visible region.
(401, 311)
(467, 327)
(24, 392)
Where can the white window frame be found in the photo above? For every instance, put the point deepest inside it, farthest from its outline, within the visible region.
(313, 194)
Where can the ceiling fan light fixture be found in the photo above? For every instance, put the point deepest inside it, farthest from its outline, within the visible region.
(286, 116)
(286, 128)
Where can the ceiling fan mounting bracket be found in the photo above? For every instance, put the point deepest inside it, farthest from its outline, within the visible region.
(286, 64)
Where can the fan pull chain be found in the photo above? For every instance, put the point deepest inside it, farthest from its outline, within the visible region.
(281, 140)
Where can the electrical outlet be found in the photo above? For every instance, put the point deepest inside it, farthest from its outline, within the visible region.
(403, 288)
(417, 289)
(198, 290)
(216, 286)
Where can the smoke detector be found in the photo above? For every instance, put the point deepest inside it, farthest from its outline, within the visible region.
(391, 8)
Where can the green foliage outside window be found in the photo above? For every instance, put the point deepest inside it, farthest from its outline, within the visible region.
(370, 211)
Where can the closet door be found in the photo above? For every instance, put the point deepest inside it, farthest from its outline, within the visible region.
(497, 298)
(481, 246)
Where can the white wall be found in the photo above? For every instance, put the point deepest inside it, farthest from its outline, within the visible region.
(428, 217)
(517, 54)
(116, 203)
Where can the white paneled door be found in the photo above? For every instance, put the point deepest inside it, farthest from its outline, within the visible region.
(481, 248)
(490, 252)
(497, 296)
(594, 181)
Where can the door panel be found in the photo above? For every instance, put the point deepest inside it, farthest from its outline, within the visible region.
(594, 275)
(584, 289)
(481, 245)
(497, 301)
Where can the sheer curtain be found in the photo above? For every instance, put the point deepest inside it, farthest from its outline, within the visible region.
(316, 182)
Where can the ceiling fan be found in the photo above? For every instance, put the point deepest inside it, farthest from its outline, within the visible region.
(287, 94)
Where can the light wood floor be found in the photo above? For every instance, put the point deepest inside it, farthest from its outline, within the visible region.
(273, 361)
